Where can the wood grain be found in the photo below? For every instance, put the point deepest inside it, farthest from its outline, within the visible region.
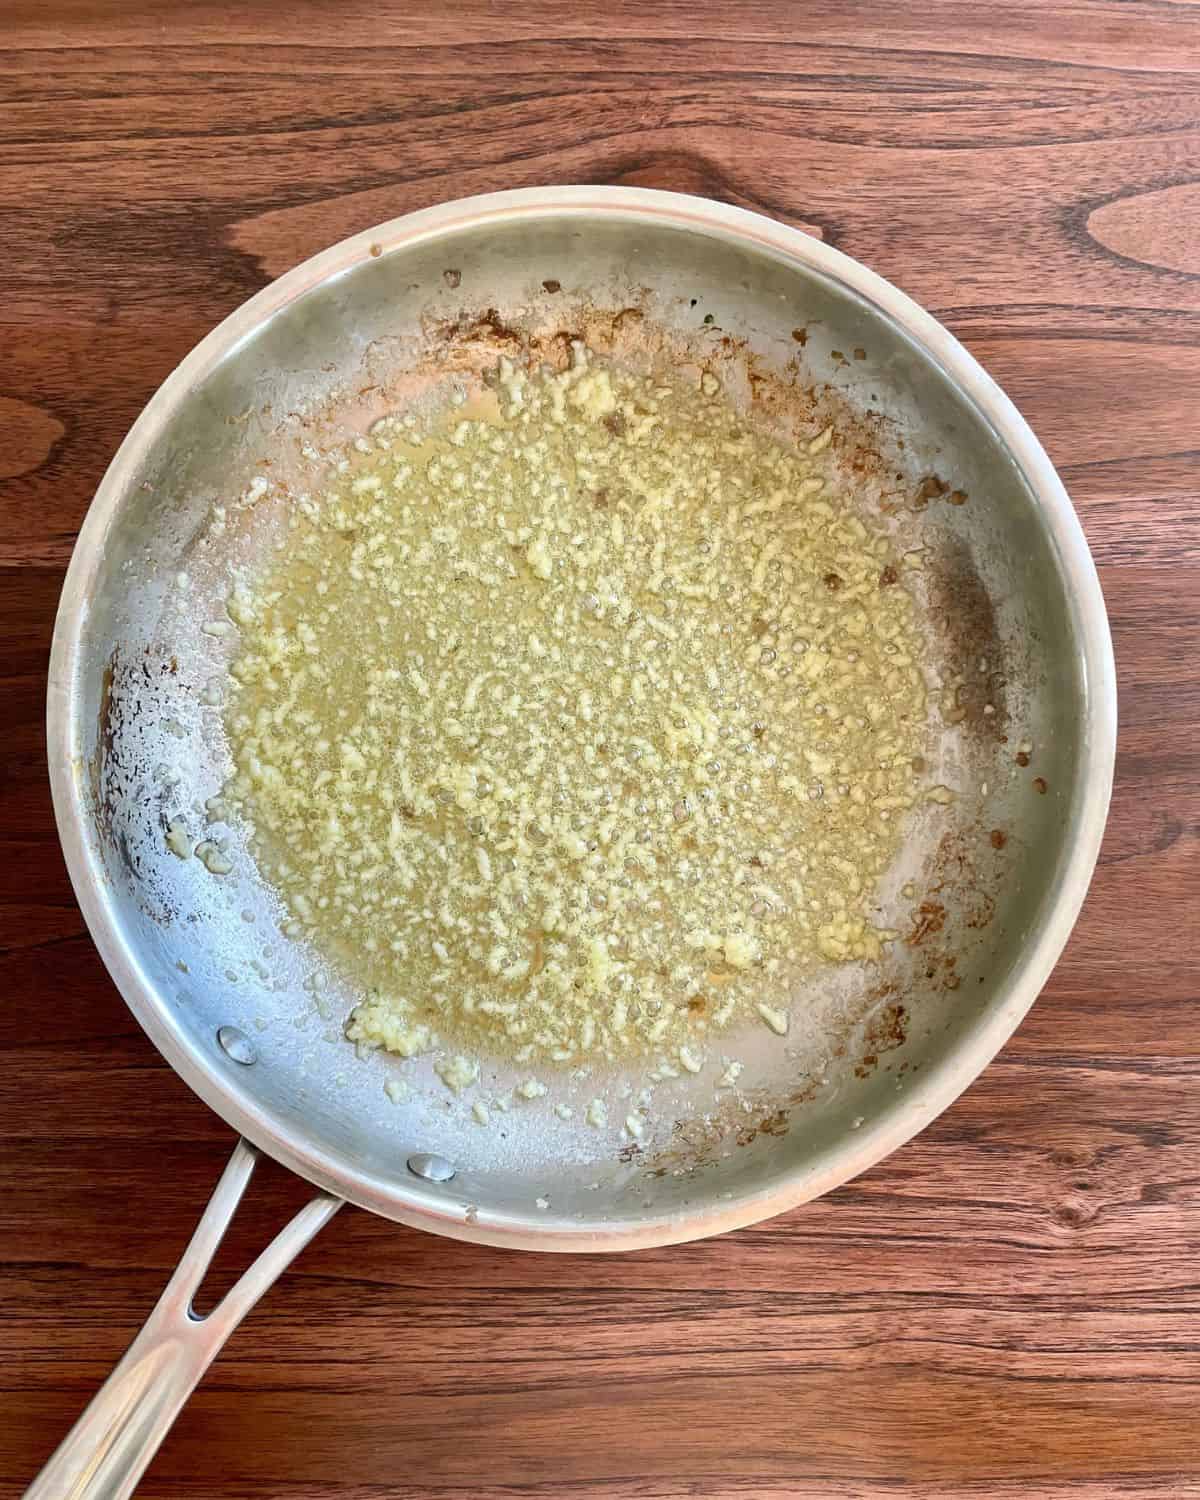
(1007, 1307)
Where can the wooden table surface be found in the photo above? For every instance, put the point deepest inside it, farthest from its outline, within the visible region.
(1008, 1306)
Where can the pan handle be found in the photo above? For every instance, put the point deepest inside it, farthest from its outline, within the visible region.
(107, 1450)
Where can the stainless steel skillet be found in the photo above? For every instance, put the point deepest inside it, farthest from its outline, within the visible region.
(985, 891)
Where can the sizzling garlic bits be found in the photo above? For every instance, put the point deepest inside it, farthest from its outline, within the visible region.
(581, 726)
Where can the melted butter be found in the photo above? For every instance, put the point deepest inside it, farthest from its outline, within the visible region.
(580, 728)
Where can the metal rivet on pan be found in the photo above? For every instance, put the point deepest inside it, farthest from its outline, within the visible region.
(432, 1168)
(237, 1044)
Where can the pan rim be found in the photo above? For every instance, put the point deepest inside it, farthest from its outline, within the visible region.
(936, 1087)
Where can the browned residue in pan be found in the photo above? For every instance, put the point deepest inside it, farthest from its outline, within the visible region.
(956, 875)
(778, 1123)
(106, 741)
(929, 920)
(887, 1030)
(975, 695)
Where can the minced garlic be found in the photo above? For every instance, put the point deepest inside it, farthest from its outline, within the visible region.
(177, 839)
(581, 728)
(213, 857)
(457, 1072)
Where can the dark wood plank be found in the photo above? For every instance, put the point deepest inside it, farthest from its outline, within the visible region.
(1006, 1307)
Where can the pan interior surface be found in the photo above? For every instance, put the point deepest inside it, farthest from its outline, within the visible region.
(985, 887)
